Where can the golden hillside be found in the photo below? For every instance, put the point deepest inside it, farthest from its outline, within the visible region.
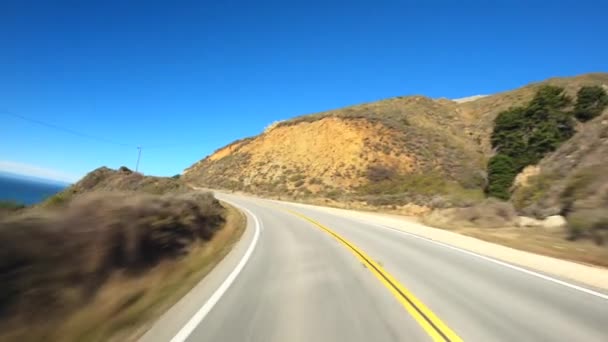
(327, 153)
(414, 145)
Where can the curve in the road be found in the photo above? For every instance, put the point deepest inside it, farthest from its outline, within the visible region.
(187, 329)
(501, 263)
(431, 324)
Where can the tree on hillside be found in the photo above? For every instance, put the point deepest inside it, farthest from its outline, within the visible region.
(524, 135)
(509, 136)
(549, 97)
(590, 102)
(501, 173)
(548, 132)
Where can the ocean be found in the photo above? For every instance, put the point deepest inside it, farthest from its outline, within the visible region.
(26, 191)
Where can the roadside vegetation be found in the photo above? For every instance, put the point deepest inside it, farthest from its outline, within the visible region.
(101, 259)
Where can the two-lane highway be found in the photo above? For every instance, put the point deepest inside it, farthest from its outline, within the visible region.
(312, 276)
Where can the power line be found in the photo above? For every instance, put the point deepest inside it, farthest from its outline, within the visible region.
(65, 130)
(99, 138)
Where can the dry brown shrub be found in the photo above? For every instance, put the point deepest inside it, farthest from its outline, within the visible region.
(57, 259)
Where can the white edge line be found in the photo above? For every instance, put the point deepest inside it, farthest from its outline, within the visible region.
(532, 273)
(198, 317)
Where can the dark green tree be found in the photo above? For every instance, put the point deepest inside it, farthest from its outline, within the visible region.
(524, 135)
(509, 136)
(501, 173)
(549, 97)
(590, 102)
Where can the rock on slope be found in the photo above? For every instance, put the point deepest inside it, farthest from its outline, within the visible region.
(431, 146)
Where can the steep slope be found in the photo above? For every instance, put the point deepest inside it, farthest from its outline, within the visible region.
(346, 149)
(572, 181)
(411, 149)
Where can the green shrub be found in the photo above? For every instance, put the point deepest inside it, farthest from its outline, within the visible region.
(551, 97)
(525, 135)
(501, 173)
(296, 177)
(590, 102)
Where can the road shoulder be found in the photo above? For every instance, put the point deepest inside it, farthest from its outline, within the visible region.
(593, 276)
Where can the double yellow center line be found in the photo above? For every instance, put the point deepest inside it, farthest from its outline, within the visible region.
(431, 324)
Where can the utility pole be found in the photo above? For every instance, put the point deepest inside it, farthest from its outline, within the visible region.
(138, 157)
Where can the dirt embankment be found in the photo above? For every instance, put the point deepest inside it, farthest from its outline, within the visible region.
(346, 159)
(306, 156)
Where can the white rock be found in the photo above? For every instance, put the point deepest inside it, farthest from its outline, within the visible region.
(555, 223)
(528, 222)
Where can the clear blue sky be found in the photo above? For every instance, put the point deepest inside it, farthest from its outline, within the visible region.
(184, 78)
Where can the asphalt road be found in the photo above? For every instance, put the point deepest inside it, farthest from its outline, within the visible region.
(295, 277)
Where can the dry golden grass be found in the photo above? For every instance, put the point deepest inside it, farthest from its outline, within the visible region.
(496, 221)
(331, 151)
(126, 302)
(541, 242)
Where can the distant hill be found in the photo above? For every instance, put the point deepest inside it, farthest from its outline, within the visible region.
(409, 149)
(105, 179)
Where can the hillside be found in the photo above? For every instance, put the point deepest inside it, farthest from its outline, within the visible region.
(572, 181)
(483, 111)
(401, 150)
(343, 151)
(104, 179)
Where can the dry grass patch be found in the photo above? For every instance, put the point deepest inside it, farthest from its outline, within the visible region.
(495, 221)
(540, 242)
(92, 280)
(488, 214)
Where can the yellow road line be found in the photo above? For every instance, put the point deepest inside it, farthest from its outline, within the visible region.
(431, 324)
